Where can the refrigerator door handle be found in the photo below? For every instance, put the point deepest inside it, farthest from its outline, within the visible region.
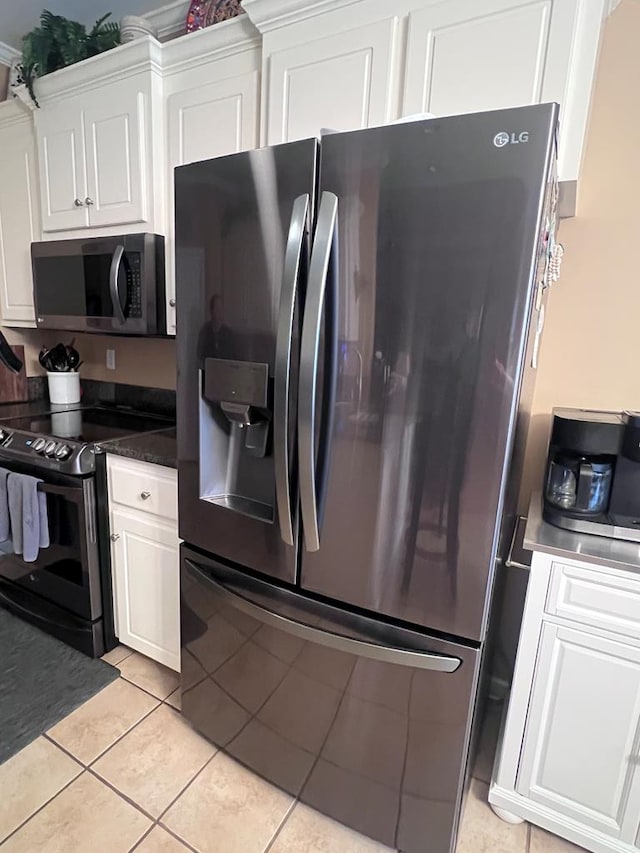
(293, 259)
(309, 363)
(388, 654)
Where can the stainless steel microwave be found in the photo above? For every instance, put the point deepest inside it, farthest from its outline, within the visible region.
(111, 285)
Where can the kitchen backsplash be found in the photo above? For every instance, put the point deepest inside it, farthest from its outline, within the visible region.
(149, 362)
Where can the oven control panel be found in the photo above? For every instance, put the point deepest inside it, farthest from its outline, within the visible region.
(66, 456)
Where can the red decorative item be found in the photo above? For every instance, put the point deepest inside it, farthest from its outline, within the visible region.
(197, 14)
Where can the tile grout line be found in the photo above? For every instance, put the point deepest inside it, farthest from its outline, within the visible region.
(125, 797)
(528, 846)
(280, 826)
(190, 782)
(144, 689)
(142, 838)
(39, 809)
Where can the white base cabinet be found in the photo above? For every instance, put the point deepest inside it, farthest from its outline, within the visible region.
(569, 757)
(145, 558)
(19, 215)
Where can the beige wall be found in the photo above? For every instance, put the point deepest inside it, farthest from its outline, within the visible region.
(591, 344)
(139, 361)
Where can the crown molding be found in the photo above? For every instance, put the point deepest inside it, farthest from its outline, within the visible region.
(13, 111)
(216, 42)
(141, 54)
(272, 14)
(8, 54)
(169, 21)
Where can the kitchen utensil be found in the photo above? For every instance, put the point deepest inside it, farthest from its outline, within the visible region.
(58, 357)
(73, 357)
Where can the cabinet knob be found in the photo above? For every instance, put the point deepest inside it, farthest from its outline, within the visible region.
(115, 537)
(78, 202)
(172, 303)
(88, 201)
(145, 495)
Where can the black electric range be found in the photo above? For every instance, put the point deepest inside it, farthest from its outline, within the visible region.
(66, 591)
(64, 438)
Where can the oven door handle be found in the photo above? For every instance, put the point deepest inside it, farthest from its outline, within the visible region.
(70, 492)
(116, 261)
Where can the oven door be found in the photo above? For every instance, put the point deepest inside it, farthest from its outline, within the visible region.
(98, 285)
(66, 573)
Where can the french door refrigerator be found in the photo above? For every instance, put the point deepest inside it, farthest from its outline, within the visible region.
(353, 323)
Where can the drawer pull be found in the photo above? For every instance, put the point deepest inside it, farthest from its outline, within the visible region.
(145, 495)
(115, 537)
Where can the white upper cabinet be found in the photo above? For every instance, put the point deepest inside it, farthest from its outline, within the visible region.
(19, 215)
(347, 64)
(343, 82)
(471, 55)
(100, 144)
(332, 65)
(212, 91)
(462, 58)
(115, 152)
(62, 168)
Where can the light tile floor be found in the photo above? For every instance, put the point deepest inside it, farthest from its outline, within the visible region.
(124, 772)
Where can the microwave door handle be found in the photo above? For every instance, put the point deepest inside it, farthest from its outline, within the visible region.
(294, 259)
(319, 268)
(116, 260)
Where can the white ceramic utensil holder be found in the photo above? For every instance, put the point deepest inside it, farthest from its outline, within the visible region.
(64, 387)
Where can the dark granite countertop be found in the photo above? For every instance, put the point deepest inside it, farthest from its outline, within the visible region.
(158, 447)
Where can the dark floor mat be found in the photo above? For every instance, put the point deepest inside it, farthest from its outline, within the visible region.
(41, 681)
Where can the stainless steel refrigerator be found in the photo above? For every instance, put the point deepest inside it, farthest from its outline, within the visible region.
(354, 326)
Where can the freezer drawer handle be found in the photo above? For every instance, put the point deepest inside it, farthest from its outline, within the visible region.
(294, 260)
(309, 364)
(388, 654)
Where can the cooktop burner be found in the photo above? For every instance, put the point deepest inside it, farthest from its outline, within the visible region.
(65, 440)
(89, 425)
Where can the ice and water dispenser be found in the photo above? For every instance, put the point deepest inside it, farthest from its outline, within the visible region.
(236, 462)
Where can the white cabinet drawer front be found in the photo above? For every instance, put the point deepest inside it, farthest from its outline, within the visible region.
(595, 598)
(581, 746)
(143, 486)
(146, 585)
(343, 82)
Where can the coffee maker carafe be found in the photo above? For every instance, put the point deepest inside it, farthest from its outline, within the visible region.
(578, 483)
(592, 482)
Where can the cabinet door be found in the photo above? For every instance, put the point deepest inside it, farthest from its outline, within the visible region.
(208, 121)
(343, 82)
(19, 223)
(115, 143)
(582, 739)
(62, 167)
(145, 565)
(466, 56)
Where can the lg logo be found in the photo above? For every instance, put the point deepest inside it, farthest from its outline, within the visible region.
(503, 138)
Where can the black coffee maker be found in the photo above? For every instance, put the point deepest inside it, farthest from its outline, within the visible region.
(592, 482)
